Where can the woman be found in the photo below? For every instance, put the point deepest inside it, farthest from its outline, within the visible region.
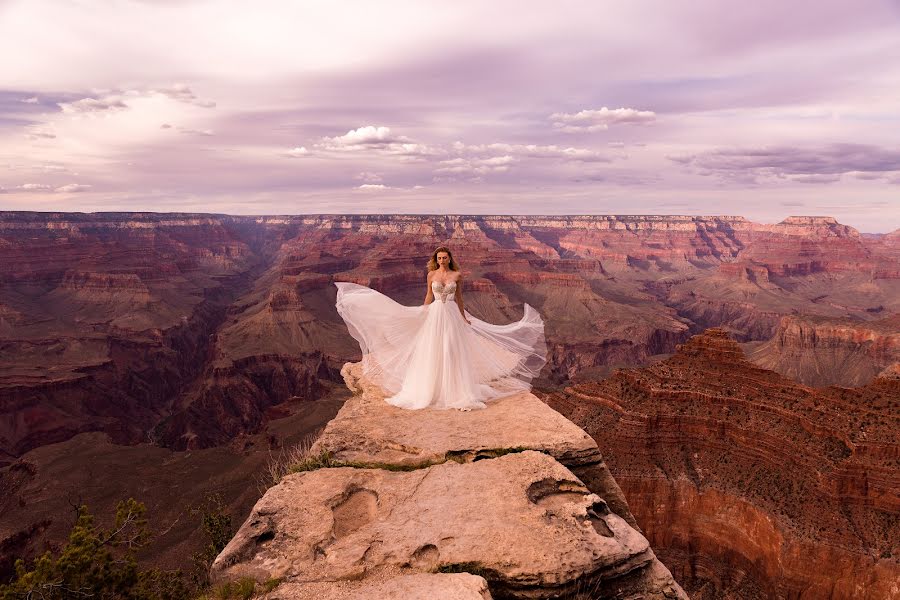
(438, 355)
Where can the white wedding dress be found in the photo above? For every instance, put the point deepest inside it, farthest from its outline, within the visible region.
(428, 356)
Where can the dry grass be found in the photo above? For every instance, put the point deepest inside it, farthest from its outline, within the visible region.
(285, 460)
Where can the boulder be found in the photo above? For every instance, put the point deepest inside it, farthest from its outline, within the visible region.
(522, 521)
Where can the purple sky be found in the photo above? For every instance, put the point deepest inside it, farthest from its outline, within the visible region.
(762, 109)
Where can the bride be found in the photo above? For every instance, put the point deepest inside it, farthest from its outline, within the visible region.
(438, 355)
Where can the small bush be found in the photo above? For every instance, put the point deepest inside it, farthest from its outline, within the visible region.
(97, 563)
(217, 529)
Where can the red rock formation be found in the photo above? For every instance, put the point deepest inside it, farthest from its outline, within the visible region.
(821, 351)
(747, 484)
(143, 313)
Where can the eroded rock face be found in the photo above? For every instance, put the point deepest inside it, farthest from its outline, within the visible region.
(826, 351)
(424, 494)
(369, 431)
(747, 484)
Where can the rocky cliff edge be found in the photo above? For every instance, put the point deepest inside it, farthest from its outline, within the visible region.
(513, 501)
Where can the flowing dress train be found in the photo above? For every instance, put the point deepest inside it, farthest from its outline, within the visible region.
(428, 356)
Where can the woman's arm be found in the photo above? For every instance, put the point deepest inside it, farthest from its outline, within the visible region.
(459, 300)
(429, 295)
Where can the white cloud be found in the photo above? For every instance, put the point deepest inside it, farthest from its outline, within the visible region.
(373, 187)
(370, 136)
(72, 187)
(43, 187)
(298, 152)
(94, 105)
(600, 119)
(377, 138)
(32, 100)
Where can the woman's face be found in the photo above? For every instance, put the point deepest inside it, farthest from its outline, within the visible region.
(443, 259)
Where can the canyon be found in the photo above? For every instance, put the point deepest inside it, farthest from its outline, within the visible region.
(178, 334)
(748, 484)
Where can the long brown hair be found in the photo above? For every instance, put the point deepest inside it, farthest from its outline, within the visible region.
(433, 264)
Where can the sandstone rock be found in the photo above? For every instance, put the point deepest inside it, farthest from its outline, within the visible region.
(368, 431)
(522, 520)
(418, 586)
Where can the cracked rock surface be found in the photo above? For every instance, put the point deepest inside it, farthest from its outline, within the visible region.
(478, 496)
(369, 431)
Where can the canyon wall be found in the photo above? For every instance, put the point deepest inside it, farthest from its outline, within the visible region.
(185, 329)
(748, 484)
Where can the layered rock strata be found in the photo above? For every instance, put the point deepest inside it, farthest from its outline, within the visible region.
(484, 492)
(748, 485)
(822, 351)
(185, 329)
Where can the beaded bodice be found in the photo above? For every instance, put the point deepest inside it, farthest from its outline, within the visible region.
(443, 290)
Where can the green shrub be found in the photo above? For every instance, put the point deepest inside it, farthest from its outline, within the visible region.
(97, 563)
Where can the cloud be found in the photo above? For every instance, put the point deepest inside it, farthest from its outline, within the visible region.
(600, 119)
(189, 131)
(808, 165)
(103, 101)
(370, 136)
(43, 187)
(94, 105)
(535, 151)
(379, 139)
(32, 100)
(298, 152)
(37, 134)
(816, 178)
(475, 166)
(182, 93)
(369, 177)
(373, 187)
(72, 187)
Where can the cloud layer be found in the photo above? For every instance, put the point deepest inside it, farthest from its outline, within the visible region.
(646, 106)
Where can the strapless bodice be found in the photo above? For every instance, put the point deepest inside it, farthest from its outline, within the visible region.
(443, 290)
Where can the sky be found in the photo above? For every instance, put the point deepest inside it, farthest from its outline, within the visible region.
(706, 107)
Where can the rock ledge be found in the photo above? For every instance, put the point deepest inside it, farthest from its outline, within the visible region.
(494, 495)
